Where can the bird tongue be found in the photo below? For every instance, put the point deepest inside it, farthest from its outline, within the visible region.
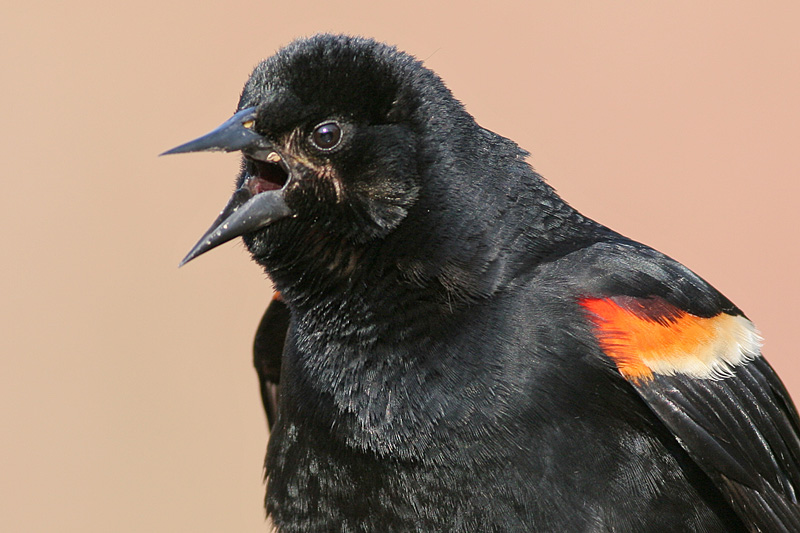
(266, 173)
(257, 184)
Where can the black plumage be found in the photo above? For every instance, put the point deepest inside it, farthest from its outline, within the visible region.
(455, 348)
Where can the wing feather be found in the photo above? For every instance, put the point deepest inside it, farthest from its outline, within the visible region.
(739, 426)
(268, 352)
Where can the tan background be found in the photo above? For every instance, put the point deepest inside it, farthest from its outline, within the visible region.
(127, 401)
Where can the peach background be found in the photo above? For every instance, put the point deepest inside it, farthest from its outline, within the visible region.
(127, 400)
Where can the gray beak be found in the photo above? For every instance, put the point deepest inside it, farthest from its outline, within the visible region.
(247, 210)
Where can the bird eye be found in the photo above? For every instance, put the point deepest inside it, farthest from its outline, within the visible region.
(327, 135)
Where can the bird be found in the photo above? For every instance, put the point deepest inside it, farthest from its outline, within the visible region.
(453, 347)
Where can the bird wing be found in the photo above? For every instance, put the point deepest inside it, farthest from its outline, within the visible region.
(705, 379)
(267, 354)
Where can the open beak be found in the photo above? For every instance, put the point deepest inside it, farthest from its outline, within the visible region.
(260, 200)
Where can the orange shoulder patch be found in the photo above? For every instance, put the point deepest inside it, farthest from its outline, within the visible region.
(646, 336)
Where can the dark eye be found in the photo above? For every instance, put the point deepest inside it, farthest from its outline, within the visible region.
(326, 135)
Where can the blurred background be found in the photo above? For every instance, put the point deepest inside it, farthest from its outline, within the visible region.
(127, 399)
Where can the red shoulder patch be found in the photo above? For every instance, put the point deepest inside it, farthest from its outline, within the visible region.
(644, 336)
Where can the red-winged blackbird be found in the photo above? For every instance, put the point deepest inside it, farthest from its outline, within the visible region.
(460, 350)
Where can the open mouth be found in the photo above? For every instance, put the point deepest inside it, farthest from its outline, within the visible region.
(267, 174)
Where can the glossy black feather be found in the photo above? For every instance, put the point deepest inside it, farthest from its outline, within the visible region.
(740, 431)
(267, 353)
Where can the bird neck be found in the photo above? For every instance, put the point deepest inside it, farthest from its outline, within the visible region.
(434, 266)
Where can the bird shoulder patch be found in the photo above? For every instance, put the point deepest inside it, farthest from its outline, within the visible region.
(646, 336)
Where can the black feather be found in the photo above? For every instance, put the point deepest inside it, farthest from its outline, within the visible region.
(267, 353)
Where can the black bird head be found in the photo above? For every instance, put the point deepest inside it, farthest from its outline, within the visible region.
(354, 150)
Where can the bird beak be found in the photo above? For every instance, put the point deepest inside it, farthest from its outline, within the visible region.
(260, 200)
